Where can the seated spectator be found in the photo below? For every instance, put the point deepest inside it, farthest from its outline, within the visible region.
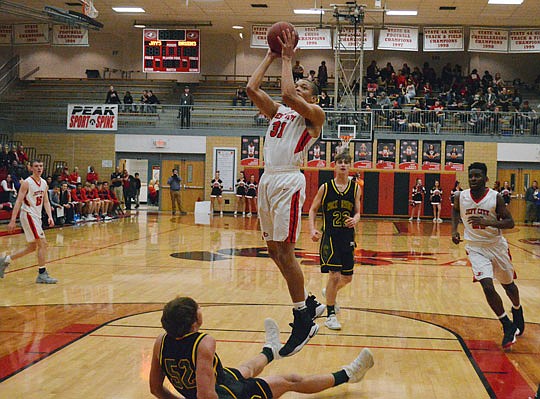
(505, 99)
(498, 81)
(297, 71)
(491, 99)
(13, 155)
(410, 91)
(241, 96)
(384, 102)
(17, 172)
(260, 119)
(8, 192)
(23, 158)
(66, 203)
(115, 208)
(311, 77)
(397, 119)
(372, 87)
(128, 102)
(324, 100)
(152, 101)
(5, 162)
(529, 119)
(92, 176)
(7, 206)
(54, 199)
(487, 79)
(74, 178)
(370, 101)
(372, 72)
(144, 100)
(107, 202)
(78, 198)
(516, 99)
(64, 175)
(93, 201)
(112, 96)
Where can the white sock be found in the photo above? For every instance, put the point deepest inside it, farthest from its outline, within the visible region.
(299, 305)
(8, 259)
(306, 293)
(516, 307)
(502, 316)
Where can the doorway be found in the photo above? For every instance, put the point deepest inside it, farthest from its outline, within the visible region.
(192, 175)
(520, 179)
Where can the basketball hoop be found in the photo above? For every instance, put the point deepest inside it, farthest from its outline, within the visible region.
(345, 140)
(88, 8)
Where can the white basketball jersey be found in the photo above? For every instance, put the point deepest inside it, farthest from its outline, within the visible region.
(484, 207)
(33, 201)
(286, 139)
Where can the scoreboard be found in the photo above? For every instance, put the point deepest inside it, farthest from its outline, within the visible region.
(171, 50)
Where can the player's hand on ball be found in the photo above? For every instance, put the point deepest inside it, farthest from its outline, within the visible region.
(315, 235)
(287, 44)
(456, 238)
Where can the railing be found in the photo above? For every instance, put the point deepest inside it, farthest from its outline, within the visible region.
(9, 72)
(364, 123)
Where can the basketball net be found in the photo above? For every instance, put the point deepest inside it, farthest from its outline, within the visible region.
(88, 8)
(345, 140)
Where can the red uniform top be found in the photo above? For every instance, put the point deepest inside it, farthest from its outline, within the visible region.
(74, 178)
(22, 156)
(104, 195)
(92, 177)
(78, 195)
(90, 194)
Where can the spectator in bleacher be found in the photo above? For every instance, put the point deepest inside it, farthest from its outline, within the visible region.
(115, 208)
(410, 92)
(144, 101)
(8, 192)
(322, 75)
(74, 178)
(435, 117)
(405, 70)
(487, 80)
(116, 185)
(324, 100)
(112, 96)
(498, 81)
(372, 72)
(92, 176)
(397, 119)
(477, 120)
(417, 76)
(447, 77)
(429, 74)
(370, 101)
(311, 77)
(137, 189)
(186, 106)
(5, 163)
(505, 99)
(530, 119)
(66, 203)
(474, 81)
(13, 155)
(384, 102)
(516, 99)
(297, 71)
(240, 96)
(56, 181)
(491, 99)
(23, 158)
(260, 119)
(386, 72)
(17, 172)
(152, 101)
(93, 201)
(128, 102)
(427, 90)
(64, 176)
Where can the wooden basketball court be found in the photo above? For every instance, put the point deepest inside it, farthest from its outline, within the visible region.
(412, 301)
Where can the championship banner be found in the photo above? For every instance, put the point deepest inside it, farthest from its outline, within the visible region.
(398, 38)
(346, 36)
(408, 158)
(386, 154)
(310, 37)
(92, 117)
(525, 41)
(488, 40)
(443, 39)
(250, 153)
(317, 155)
(431, 155)
(455, 155)
(66, 35)
(30, 33)
(5, 34)
(363, 155)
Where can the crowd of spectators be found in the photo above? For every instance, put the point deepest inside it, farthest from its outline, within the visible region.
(147, 103)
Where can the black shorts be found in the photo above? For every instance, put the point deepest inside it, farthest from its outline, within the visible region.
(240, 191)
(216, 192)
(238, 387)
(337, 254)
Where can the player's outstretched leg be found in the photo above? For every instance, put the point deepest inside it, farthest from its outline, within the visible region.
(4, 263)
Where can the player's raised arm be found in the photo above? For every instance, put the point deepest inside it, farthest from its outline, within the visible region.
(259, 97)
(301, 97)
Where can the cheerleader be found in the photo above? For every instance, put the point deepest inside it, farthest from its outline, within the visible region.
(241, 194)
(417, 198)
(251, 195)
(217, 193)
(436, 198)
(506, 192)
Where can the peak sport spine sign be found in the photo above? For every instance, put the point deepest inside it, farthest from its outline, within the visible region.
(92, 117)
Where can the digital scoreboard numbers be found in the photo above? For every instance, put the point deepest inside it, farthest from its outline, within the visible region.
(166, 50)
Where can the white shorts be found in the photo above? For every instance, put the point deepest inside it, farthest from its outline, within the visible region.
(281, 196)
(492, 261)
(31, 226)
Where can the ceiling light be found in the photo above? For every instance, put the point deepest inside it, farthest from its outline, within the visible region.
(129, 9)
(309, 11)
(140, 26)
(401, 12)
(511, 2)
(238, 27)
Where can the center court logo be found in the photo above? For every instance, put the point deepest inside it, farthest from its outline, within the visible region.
(361, 256)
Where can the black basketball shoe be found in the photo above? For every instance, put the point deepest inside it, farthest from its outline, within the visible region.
(303, 329)
(517, 318)
(510, 333)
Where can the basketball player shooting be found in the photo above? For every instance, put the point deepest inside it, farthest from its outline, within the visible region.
(282, 186)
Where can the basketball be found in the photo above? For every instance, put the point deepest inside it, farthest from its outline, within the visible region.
(276, 30)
